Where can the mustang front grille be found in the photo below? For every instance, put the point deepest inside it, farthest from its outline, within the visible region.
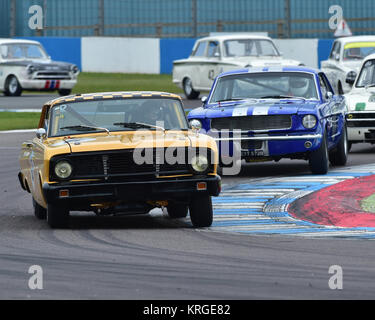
(252, 123)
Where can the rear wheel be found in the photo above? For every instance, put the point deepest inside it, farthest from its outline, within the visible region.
(57, 217)
(318, 160)
(12, 87)
(39, 212)
(340, 155)
(190, 93)
(177, 210)
(201, 214)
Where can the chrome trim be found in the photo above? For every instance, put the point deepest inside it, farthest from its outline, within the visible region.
(361, 119)
(306, 136)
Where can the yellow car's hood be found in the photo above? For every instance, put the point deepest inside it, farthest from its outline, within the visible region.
(128, 140)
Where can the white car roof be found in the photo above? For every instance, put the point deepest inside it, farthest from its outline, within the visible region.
(234, 36)
(346, 40)
(9, 41)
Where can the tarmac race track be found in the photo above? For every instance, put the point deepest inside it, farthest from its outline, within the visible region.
(153, 257)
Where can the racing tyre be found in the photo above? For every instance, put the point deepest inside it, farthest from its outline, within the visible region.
(319, 160)
(39, 212)
(65, 92)
(57, 217)
(177, 211)
(349, 146)
(12, 87)
(201, 211)
(339, 89)
(340, 155)
(190, 93)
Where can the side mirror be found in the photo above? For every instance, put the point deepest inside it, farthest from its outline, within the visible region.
(204, 99)
(350, 77)
(41, 133)
(337, 56)
(329, 95)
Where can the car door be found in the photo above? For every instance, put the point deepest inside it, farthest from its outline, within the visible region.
(197, 65)
(331, 66)
(212, 66)
(333, 111)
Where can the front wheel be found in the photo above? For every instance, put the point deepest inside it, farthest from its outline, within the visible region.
(12, 87)
(39, 212)
(57, 217)
(340, 155)
(190, 93)
(201, 214)
(318, 160)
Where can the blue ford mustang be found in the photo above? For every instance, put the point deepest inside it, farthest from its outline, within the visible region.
(261, 114)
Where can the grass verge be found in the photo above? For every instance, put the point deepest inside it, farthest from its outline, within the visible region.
(18, 120)
(103, 82)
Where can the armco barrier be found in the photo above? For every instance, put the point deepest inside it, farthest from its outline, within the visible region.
(154, 56)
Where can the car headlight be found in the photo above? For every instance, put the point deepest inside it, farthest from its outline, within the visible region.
(309, 121)
(199, 164)
(30, 69)
(74, 69)
(63, 169)
(195, 125)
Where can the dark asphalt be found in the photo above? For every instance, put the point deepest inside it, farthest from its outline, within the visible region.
(153, 257)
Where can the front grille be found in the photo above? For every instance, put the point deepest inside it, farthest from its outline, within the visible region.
(359, 123)
(120, 164)
(55, 75)
(251, 123)
(251, 144)
(362, 115)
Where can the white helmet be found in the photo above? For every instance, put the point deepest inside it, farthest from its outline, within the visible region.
(298, 86)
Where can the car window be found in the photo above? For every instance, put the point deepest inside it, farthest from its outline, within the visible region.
(200, 50)
(213, 48)
(249, 47)
(358, 50)
(367, 74)
(265, 85)
(22, 51)
(324, 87)
(335, 50)
(74, 118)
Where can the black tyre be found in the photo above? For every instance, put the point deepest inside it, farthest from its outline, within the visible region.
(39, 212)
(190, 93)
(339, 156)
(319, 160)
(12, 87)
(201, 211)
(57, 217)
(350, 144)
(65, 92)
(177, 210)
(339, 89)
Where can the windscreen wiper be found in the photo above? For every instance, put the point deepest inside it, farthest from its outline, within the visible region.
(84, 128)
(282, 97)
(138, 125)
(231, 99)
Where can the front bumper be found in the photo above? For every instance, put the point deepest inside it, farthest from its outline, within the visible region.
(31, 84)
(269, 146)
(83, 194)
(361, 126)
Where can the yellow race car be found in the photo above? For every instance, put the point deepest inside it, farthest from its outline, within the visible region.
(119, 152)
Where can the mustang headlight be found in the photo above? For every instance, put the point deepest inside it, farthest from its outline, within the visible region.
(309, 121)
(63, 169)
(199, 164)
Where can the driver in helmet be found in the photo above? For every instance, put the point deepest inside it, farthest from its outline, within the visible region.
(299, 87)
(151, 111)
